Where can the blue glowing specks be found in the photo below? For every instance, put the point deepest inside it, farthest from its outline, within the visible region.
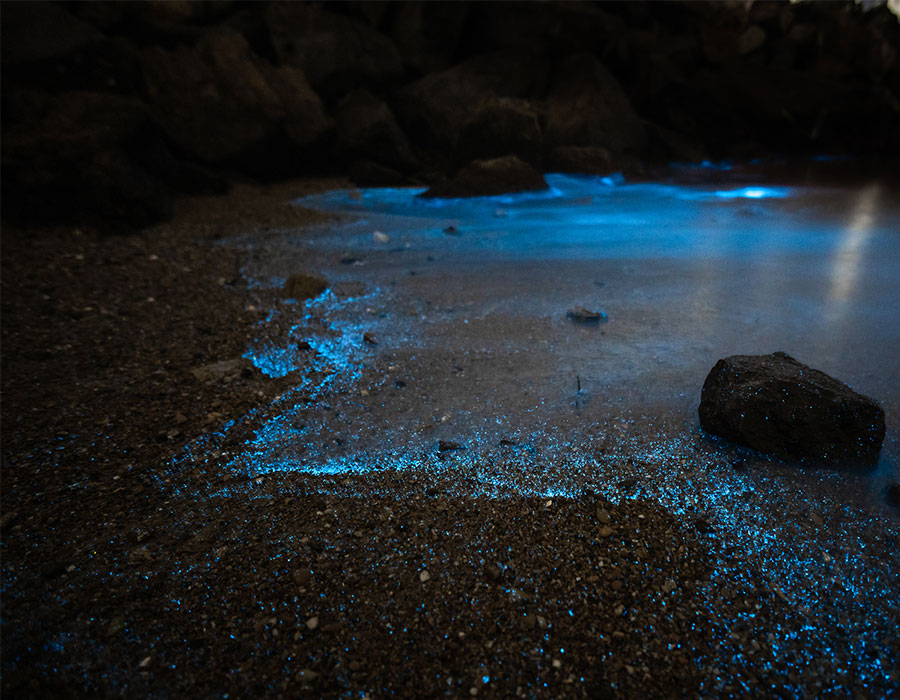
(273, 360)
(324, 339)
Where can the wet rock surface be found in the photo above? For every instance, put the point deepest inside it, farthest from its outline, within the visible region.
(774, 403)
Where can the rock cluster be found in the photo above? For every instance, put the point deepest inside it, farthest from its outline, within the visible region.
(112, 109)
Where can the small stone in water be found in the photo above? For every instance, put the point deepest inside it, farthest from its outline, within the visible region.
(424, 576)
(581, 315)
(312, 623)
(380, 237)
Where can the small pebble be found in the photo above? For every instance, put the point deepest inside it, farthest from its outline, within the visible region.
(312, 623)
(306, 676)
(424, 576)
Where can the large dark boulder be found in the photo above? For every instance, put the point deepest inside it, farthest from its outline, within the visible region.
(221, 104)
(552, 28)
(486, 178)
(336, 53)
(91, 158)
(432, 109)
(427, 34)
(367, 130)
(775, 404)
(45, 47)
(586, 106)
(501, 127)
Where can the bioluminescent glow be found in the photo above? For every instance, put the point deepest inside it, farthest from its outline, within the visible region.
(753, 193)
(479, 384)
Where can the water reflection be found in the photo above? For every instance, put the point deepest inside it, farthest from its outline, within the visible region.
(848, 258)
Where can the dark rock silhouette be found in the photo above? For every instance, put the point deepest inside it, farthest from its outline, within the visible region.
(218, 102)
(501, 127)
(419, 90)
(336, 53)
(586, 106)
(433, 108)
(485, 178)
(366, 129)
(91, 158)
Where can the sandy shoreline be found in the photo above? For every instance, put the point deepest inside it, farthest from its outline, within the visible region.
(129, 572)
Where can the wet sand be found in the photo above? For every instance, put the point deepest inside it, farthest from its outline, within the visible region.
(490, 499)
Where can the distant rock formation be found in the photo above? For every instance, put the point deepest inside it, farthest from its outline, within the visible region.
(112, 109)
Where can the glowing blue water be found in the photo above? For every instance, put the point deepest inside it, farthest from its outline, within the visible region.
(687, 273)
(474, 347)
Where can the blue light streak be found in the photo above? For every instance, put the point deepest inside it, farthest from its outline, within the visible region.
(754, 193)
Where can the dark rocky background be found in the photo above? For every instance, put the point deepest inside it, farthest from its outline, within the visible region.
(111, 109)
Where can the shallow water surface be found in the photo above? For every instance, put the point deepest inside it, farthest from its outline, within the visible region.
(468, 300)
(476, 377)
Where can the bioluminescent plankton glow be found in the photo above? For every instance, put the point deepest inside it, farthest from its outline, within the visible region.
(442, 357)
(753, 193)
